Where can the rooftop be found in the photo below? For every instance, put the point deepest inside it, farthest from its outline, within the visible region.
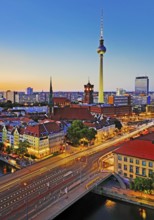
(137, 148)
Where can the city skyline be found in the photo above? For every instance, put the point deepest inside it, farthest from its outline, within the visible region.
(42, 39)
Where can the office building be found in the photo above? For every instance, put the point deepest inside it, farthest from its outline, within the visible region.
(29, 91)
(142, 85)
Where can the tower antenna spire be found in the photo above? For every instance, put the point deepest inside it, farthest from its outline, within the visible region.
(101, 24)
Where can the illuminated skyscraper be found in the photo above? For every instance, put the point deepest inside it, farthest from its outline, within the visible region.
(101, 51)
(142, 85)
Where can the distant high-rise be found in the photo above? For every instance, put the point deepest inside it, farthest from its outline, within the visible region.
(142, 85)
(101, 51)
(29, 91)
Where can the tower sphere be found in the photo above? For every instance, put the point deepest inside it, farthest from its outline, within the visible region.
(101, 49)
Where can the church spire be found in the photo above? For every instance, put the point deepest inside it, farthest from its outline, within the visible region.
(51, 104)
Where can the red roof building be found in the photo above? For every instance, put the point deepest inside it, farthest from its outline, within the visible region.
(71, 114)
(135, 158)
(137, 148)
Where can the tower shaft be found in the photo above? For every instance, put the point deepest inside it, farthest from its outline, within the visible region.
(101, 89)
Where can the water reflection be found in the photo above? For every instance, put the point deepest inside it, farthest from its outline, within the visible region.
(110, 204)
(142, 213)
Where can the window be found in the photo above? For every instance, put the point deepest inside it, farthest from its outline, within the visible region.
(125, 174)
(143, 172)
(131, 176)
(150, 173)
(119, 157)
(150, 164)
(125, 167)
(119, 165)
(125, 159)
(137, 170)
(131, 160)
(137, 161)
(131, 169)
(143, 163)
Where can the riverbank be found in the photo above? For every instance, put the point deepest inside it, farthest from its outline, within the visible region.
(126, 195)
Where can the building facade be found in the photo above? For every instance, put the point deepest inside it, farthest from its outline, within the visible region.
(142, 85)
(135, 158)
(88, 93)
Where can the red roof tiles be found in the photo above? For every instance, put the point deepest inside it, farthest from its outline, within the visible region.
(137, 148)
(42, 129)
(72, 114)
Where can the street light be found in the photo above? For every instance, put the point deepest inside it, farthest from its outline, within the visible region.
(25, 184)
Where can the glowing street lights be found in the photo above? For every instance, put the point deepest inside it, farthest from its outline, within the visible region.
(25, 184)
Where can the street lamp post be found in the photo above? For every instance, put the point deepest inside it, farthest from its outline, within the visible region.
(25, 184)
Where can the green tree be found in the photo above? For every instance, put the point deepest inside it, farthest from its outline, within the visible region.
(118, 124)
(142, 184)
(9, 149)
(23, 145)
(78, 132)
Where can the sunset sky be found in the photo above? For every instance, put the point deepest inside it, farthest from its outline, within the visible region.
(59, 38)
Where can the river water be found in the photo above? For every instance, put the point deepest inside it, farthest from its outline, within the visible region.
(95, 207)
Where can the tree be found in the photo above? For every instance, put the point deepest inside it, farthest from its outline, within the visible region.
(142, 184)
(118, 124)
(23, 145)
(9, 149)
(78, 132)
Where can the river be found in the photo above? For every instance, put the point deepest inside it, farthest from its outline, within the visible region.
(95, 207)
(5, 168)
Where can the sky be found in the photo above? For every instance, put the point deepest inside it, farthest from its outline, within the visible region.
(59, 38)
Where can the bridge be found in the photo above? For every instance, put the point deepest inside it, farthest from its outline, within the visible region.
(70, 197)
(76, 192)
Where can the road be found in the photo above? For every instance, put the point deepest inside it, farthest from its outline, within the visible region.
(25, 192)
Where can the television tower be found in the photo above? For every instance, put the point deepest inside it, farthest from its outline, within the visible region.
(101, 51)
